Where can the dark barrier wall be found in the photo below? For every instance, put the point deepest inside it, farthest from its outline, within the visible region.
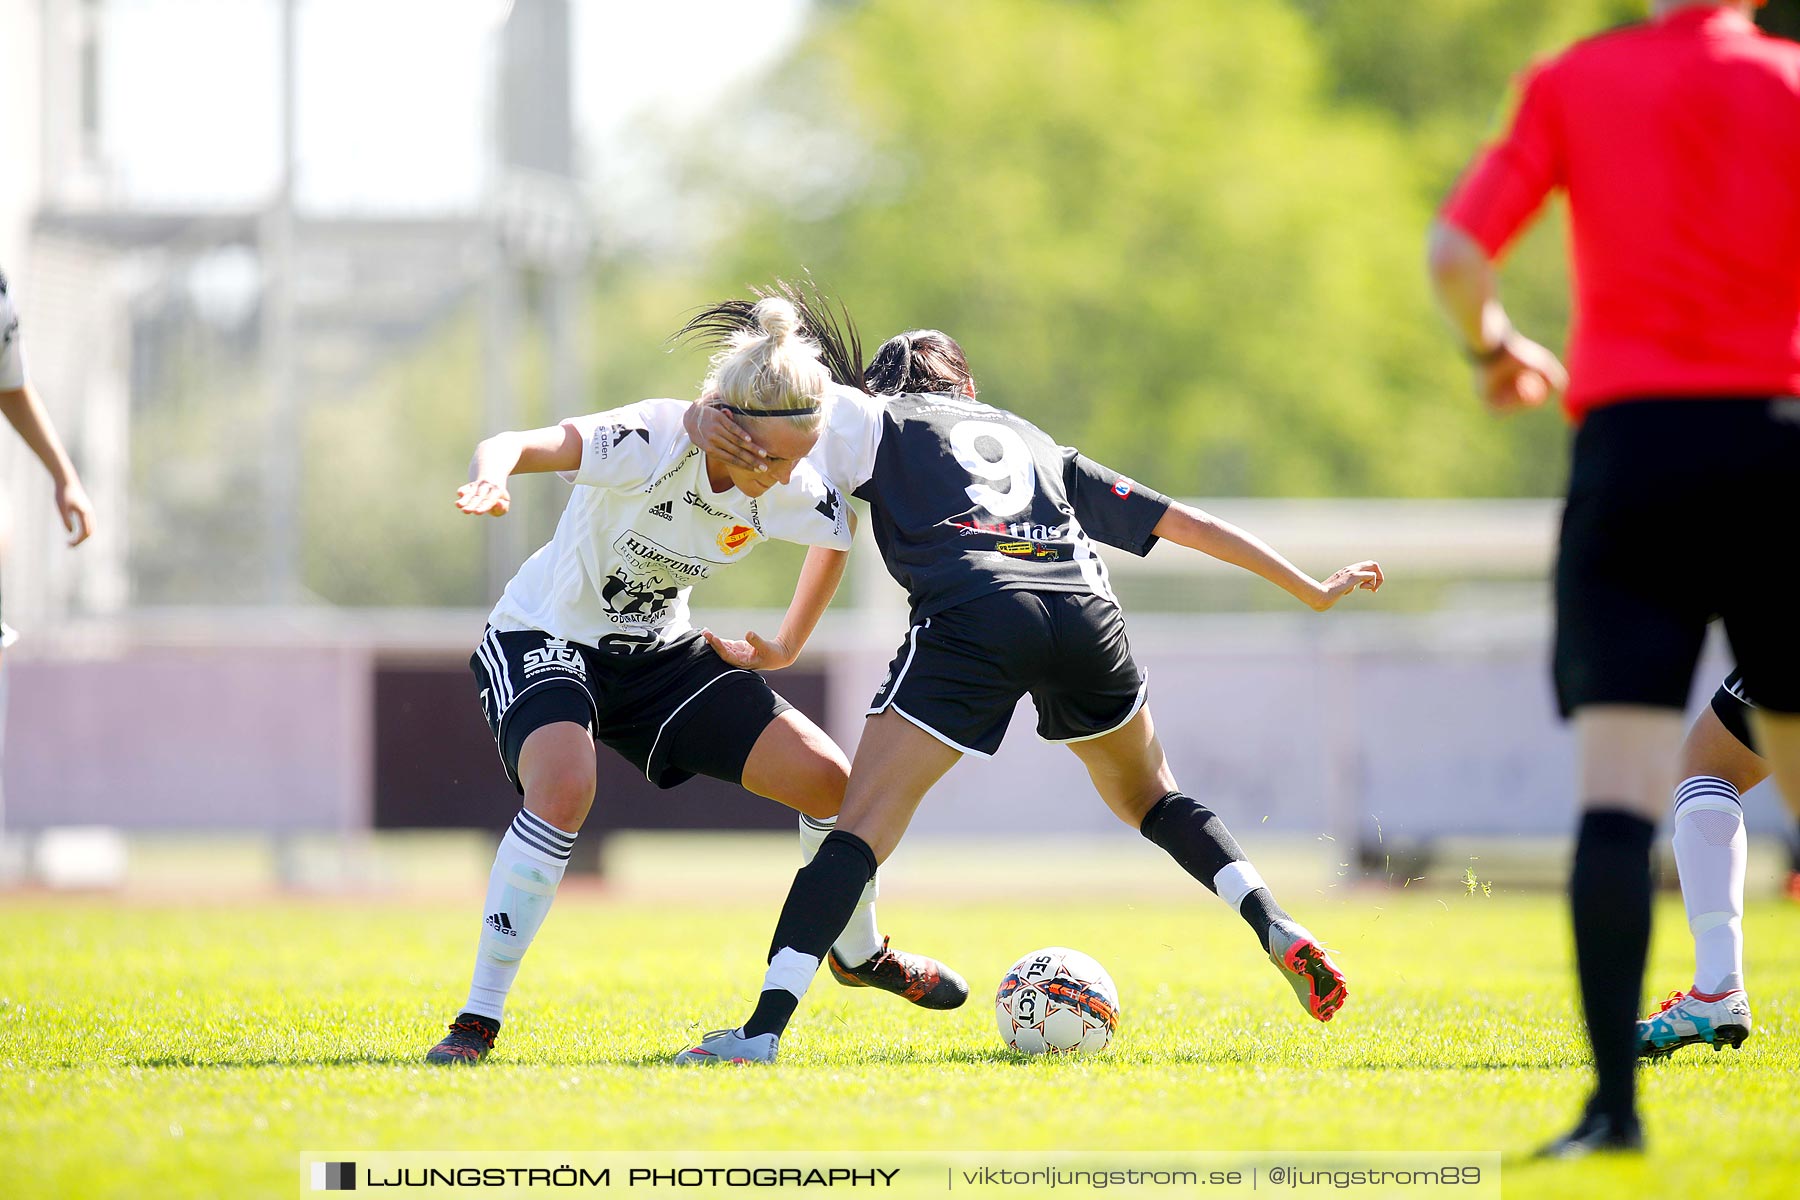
(436, 766)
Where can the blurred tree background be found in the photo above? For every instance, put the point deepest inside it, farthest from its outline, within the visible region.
(1185, 235)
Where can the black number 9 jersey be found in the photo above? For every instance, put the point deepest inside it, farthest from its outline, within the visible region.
(968, 499)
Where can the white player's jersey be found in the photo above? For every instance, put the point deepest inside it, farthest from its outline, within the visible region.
(643, 525)
(12, 352)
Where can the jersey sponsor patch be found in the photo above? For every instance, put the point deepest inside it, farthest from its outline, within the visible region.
(671, 472)
(1031, 550)
(698, 501)
(1122, 487)
(637, 602)
(649, 558)
(734, 538)
(608, 437)
(1013, 529)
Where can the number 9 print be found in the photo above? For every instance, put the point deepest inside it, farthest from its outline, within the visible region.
(1014, 465)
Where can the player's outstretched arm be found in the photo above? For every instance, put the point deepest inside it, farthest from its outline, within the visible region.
(819, 579)
(25, 413)
(1197, 530)
(553, 448)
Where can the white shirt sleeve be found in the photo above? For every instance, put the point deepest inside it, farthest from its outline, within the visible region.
(626, 447)
(12, 350)
(807, 509)
(846, 450)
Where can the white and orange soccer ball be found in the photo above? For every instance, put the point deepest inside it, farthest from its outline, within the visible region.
(1057, 1001)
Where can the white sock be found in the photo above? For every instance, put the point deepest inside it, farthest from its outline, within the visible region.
(1709, 853)
(861, 939)
(527, 868)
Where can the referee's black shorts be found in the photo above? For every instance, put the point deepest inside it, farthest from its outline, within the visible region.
(960, 673)
(1680, 510)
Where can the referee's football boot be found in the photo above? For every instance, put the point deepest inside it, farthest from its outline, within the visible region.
(1597, 1133)
(468, 1042)
(927, 982)
(1316, 980)
(1695, 1019)
(730, 1046)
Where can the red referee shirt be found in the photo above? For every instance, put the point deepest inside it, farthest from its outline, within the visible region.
(1678, 143)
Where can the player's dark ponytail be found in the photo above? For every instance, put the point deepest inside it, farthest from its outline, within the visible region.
(921, 360)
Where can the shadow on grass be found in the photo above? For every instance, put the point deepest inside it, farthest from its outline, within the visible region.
(235, 1062)
(1237, 1054)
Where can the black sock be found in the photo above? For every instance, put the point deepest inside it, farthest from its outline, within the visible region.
(487, 1023)
(1261, 911)
(1194, 836)
(818, 907)
(1609, 892)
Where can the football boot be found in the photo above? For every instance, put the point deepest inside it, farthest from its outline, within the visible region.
(926, 982)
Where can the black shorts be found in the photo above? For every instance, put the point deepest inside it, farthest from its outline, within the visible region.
(1679, 511)
(1732, 705)
(674, 712)
(959, 673)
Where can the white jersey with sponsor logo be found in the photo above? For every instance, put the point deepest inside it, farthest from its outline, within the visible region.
(644, 525)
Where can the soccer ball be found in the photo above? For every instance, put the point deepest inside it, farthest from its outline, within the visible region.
(1057, 1001)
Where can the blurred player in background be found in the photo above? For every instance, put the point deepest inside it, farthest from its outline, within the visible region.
(990, 525)
(1676, 142)
(25, 412)
(591, 642)
(1719, 763)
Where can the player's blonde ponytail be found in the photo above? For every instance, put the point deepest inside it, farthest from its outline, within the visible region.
(772, 370)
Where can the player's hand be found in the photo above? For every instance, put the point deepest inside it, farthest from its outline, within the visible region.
(480, 496)
(77, 511)
(1524, 375)
(712, 429)
(1340, 583)
(754, 653)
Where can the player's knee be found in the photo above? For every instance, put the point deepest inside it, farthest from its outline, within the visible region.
(563, 794)
(1131, 805)
(798, 764)
(822, 785)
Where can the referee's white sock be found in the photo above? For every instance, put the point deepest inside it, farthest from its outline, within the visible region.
(527, 868)
(1709, 853)
(861, 939)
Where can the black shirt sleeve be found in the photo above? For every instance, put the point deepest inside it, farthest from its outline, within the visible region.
(1111, 507)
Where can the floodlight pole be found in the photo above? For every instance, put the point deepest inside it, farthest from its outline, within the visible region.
(282, 451)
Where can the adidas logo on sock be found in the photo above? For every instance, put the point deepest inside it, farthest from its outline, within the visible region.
(665, 510)
(501, 923)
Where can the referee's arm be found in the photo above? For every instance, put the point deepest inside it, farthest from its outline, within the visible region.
(1499, 195)
(1511, 370)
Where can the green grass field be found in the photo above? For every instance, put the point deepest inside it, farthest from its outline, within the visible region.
(156, 1049)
